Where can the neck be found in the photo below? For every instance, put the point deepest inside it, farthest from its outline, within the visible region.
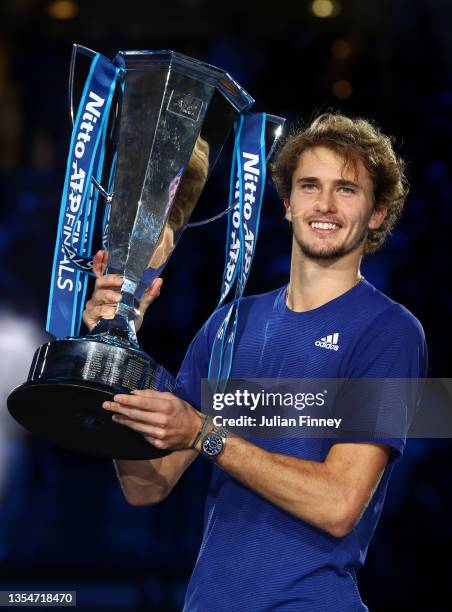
(314, 283)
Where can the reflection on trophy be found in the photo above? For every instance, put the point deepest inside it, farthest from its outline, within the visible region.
(169, 118)
(195, 178)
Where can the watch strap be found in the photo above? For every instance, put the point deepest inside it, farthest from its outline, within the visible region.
(202, 430)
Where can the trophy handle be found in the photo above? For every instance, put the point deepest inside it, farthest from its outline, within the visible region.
(279, 122)
(90, 53)
(214, 218)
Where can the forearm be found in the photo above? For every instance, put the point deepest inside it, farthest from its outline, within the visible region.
(141, 481)
(306, 489)
(149, 482)
(331, 495)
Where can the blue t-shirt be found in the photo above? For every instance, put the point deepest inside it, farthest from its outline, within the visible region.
(254, 556)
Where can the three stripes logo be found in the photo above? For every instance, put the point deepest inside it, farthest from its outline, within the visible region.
(329, 342)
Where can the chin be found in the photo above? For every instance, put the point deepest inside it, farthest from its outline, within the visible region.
(329, 248)
(323, 255)
(324, 252)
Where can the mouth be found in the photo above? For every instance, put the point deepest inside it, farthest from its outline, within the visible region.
(324, 227)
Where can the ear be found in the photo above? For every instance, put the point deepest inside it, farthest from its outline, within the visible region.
(378, 216)
(288, 214)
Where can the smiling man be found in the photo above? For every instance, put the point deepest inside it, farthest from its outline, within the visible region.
(288, 520)
(332, 198)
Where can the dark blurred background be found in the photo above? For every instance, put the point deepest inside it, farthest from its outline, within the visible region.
(63, 521)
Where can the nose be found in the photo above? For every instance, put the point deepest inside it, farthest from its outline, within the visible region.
(325, 202)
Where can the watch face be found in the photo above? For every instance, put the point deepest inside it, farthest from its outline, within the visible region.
(212, 445)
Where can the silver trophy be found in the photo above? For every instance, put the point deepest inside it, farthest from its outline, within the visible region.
(172, 117)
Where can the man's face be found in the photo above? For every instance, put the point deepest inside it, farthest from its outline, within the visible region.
(331, 206)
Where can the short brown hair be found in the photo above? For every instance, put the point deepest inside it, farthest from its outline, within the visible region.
(353, 139)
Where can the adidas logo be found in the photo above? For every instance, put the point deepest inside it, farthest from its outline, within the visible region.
(329, 342)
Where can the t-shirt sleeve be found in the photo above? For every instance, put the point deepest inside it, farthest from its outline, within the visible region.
(384, 381)
(195, 365)
(193, 369)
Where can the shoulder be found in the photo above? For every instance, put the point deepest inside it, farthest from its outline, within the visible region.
(391, 317)
(389, 341)
(198, 353)
(251, 305)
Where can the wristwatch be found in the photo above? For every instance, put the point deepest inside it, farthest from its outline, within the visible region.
(214, 442)
(201, 432)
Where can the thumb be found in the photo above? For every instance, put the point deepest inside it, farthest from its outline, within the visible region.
(151, 294)
(100, 260)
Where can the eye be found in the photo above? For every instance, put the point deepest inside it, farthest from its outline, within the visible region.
(347, 190)
(308, 187)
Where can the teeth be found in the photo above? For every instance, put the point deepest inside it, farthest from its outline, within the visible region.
(324, 226)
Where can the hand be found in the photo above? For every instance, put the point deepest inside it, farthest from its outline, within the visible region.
(166, 421)
(107, 293)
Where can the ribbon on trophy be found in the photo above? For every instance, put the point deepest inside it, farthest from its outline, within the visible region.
(79, 200)
(247, 186)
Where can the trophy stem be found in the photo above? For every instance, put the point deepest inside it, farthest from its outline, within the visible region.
(119, 330)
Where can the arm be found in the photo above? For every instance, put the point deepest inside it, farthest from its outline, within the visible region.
(331, 495)
(142, 482)
(149, 482)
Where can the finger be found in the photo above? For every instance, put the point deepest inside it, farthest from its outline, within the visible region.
(151, 293)
(153, 393)
(144, 417)
(155, 287)
(92, 304)
(109, 281)
(154, 432)
(104, 260)
(105, 296)
(156, 442)
(100, 261)
(104, 311)
(154, 404)
(97, 264)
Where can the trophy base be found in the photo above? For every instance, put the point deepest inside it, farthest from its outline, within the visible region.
(70, 414)
(68, 381)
